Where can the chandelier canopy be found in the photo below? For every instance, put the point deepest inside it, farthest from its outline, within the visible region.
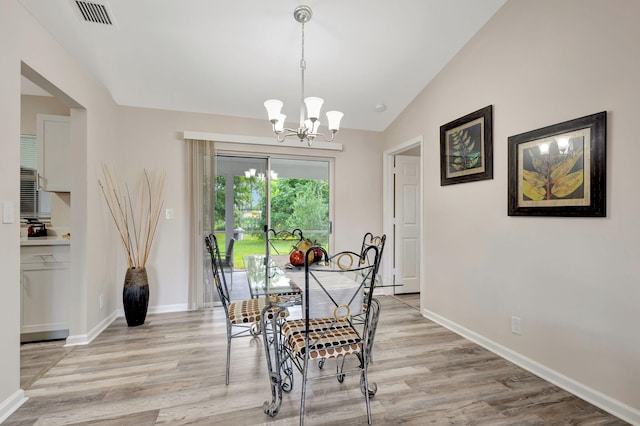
(309, 124)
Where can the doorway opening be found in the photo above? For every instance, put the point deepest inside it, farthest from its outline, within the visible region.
(50, 119)
(402, 216)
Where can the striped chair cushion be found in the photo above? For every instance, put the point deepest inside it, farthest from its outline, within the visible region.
(328, 338)
(249, 311)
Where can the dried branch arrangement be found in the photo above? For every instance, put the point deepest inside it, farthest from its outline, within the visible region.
(136, 226)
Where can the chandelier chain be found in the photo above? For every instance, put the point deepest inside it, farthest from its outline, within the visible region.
(303, 67)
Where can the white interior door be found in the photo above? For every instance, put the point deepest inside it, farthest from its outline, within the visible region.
(407, 229)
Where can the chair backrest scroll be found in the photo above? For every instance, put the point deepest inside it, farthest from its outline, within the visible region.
(216, 267)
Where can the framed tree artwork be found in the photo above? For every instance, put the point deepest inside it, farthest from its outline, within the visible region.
(559, 170)
(466, 148)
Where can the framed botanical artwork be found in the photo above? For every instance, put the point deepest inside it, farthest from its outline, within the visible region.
(559, 170)
(466, 148)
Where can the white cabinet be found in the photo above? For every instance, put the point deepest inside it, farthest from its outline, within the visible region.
(45, 276)
(54, 145)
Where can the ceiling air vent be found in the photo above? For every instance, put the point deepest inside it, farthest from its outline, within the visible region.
(94, 12)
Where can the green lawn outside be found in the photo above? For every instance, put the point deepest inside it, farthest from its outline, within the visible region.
(252, 245)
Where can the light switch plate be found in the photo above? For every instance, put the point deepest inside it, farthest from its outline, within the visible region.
(7, 212)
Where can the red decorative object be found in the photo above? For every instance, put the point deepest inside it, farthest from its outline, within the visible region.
(296, 258)
(317, 254)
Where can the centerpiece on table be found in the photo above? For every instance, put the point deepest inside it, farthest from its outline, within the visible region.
(136, 226)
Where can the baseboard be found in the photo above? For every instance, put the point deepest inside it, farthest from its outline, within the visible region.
(11, 404)
(163, 309)
(39, 336)
(605, 402)
(85, 339)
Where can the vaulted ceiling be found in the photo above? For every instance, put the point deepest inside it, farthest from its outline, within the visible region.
(228, 56)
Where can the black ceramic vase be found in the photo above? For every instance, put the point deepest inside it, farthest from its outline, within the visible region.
(135, 296)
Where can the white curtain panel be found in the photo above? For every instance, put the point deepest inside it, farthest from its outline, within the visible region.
(200, 167)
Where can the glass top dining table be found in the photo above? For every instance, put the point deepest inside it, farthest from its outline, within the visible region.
(272, 279)
(283, 279)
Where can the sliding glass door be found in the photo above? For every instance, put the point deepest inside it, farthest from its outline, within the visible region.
(240, 202)
(300, 198)
(281, 193)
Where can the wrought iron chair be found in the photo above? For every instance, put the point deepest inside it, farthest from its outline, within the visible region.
(337, 291)
(365, 258)
(370, 240)
(242, 316)
(294, 240)
(227, 261)
(272, 236)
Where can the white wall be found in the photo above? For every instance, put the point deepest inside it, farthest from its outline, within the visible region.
(32, 105)
(572, 281)
(9, 233)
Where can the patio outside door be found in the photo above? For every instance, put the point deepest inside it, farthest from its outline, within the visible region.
(281, 193)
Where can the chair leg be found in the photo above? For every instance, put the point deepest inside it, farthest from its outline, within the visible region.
(367, 390)
(304, 389)
(340, 368)
(275, 364)
(228, 352)
(367, 397)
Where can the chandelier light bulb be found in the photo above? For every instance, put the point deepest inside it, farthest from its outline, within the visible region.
(273, 106)
(278, 126)
(313, 107)
(333, 120)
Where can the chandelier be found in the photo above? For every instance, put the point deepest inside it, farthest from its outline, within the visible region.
(308, 128)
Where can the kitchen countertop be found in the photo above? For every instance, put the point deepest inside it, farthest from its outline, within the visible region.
(45, 241)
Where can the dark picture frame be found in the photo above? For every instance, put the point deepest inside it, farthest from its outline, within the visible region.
(466, 148)
(559, 170)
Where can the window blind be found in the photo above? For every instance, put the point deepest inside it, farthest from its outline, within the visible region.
(33, 202)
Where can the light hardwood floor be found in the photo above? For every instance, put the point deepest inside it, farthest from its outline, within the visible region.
(171, 371)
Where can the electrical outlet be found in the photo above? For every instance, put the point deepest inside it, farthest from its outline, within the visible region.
(516, 325)
(168, 214)
(101, 301)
